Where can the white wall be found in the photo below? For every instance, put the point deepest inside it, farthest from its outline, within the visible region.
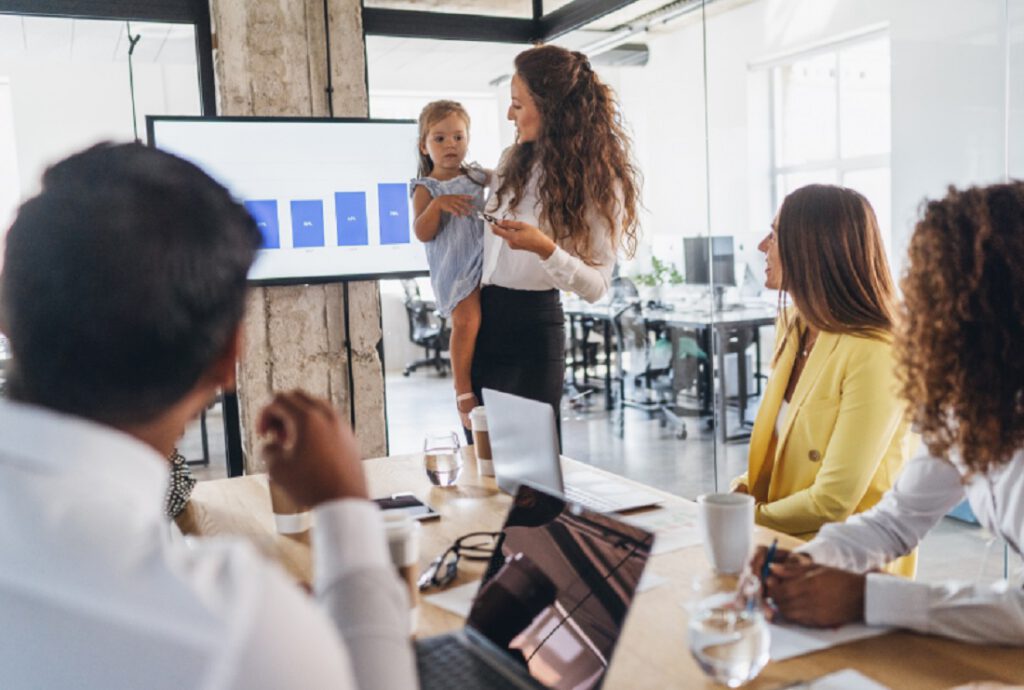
(62, 107)
(947, 96)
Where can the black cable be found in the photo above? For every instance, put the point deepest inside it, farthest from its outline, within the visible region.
(330, 78)
(132, 41)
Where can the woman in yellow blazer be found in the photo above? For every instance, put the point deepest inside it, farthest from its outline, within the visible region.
(831, 434)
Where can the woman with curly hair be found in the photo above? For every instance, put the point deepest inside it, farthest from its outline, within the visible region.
(566, 196)
(831, 434)
(959, 364)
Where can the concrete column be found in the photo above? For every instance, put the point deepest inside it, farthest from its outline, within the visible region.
(270, 58)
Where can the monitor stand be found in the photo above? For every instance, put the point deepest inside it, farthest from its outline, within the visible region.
(719, 297)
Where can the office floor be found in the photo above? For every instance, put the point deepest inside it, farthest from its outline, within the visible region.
(646, 452)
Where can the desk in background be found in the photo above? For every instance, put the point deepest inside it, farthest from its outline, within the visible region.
(715, 331)
(652, 653)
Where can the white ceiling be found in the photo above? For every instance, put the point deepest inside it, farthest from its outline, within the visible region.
(412, 64)
(77, 40)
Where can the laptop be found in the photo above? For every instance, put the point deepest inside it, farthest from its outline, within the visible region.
(524, 446)
(550, 609)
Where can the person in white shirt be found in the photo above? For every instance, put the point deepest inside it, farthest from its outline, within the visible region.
(958, 360)
(565, 198)
(122, 292)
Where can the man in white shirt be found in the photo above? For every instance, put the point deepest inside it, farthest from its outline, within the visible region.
(959, 365)
(122, 293)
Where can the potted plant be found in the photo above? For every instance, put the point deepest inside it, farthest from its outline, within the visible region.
(661, 273)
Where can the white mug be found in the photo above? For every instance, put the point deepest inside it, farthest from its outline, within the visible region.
(727, 527)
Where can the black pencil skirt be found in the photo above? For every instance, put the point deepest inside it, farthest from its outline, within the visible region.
(521, 345)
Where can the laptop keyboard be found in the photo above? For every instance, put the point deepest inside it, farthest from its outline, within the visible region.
(588, 500)
(442, 662)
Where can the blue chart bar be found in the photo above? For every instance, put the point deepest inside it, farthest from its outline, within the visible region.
(264, 212)
(394, 213)
(308, 223)
(350, 210)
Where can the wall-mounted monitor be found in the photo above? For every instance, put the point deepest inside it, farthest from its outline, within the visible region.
(704, 264)
(331, 197)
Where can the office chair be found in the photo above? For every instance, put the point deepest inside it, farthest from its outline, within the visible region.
(426, 329)
(644, 371)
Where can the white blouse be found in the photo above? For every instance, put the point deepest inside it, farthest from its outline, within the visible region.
(926, 490)
(523, 270)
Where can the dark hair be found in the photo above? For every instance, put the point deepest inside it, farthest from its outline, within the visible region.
(123, 281)
(833, 262)
(958, 340)
(583, 153)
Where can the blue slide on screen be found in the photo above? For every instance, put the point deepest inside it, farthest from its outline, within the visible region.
(264, 212)
(394, 213)
(350, 211)
(308, 223)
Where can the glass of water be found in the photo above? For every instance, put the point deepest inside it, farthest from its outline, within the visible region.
(441, 458)
(729, 636)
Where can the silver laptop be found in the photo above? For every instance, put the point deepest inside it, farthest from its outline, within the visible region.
(524, 444)
(551, 606)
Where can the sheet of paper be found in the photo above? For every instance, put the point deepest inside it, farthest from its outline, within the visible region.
(674, 527)
(789, 641)
(847, 679)
(650, 580)
(458, 600)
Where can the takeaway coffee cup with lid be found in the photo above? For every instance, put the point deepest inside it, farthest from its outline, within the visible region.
(482, 441)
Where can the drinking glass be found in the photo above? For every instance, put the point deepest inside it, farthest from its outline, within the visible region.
(729, 637)
(441, 458)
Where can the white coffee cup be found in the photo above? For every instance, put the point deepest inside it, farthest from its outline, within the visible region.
(727, 527)
(403, 534)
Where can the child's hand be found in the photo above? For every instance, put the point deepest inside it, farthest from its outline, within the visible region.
(455, 204)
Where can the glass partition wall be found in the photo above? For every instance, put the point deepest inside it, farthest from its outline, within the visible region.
(730, 107)
(65, 84)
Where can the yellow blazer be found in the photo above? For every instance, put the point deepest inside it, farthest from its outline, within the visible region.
(842, 443)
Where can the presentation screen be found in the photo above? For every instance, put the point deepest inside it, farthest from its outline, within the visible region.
(331, 197)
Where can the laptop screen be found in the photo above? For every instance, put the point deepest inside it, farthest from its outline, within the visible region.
(561, 582)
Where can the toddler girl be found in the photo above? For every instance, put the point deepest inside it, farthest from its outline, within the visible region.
(446, 199)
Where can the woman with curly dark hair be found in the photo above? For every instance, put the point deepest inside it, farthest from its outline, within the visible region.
(959, 363)
(566, 196)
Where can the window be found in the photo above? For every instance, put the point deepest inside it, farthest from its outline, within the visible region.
(832, 122)
(64, 85)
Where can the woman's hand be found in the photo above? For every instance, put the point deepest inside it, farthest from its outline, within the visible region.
(455, 204)
(519, 235)
(815, 595)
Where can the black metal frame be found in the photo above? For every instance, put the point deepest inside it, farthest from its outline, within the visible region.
(463, 27)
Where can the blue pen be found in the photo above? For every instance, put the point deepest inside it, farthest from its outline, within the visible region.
(768, 561)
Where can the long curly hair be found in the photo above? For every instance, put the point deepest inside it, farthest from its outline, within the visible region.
(833, 263)
(582, 154)
(962, 325)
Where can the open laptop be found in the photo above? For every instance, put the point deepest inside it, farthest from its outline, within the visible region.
(551, 607)
(524, 445)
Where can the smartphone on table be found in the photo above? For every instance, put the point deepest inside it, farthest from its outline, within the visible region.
(406, 504)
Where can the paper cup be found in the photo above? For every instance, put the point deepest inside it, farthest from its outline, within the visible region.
(289, 517)
(482, 441)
